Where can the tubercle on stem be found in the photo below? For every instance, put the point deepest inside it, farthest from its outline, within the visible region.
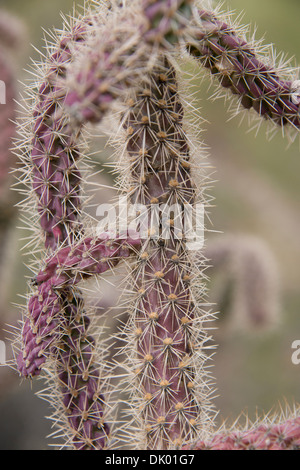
(165, 338)
(249, 75)
(55, 283)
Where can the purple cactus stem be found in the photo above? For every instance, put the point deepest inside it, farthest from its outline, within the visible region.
(79, 380)
(54, 154)
(37, 334)
(162, 333)
(62, 272)
(265, 436)
(107, 71)
(127, 52)
(57, 325)
(234, 62)
(167, 19)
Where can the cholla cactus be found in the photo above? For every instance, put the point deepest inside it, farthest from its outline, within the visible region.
(281, 433)
(10, 38)
(122, 60)
(11, 35)
(165, 334)
(258, 81)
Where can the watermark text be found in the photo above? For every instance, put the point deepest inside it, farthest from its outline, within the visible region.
(2, 92)
(296, 354)
(2, 353)
(155, 221)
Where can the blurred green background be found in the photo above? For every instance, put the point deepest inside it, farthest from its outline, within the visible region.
(257, 192)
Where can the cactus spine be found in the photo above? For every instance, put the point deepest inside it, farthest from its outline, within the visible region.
(279, 434)
(107, 56)
(56, 332)
(270, 90)
(165, 334)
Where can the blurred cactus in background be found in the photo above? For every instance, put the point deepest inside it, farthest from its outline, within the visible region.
(12, 33)
(245, 282)
(118, 67)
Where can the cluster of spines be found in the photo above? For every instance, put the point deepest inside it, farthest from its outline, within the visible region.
(166, 20)
(165, 337)
(171, 341)
(54, 283)
(273, 92)
(102, 74)
(56, 182)
(121, 51)
(77, 387)
(269, 434)
(59, 327)
(50, 149)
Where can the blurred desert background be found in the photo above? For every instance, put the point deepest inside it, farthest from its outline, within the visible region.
(255, 215)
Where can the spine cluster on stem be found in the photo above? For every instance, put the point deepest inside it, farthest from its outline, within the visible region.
(272, 92)
(165, 334)
(127, 55)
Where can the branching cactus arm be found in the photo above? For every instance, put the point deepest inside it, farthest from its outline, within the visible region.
(281, 434)
(259, 83)
(155, 130)
(56, 314)
(120, 54)
(104, 58)
(165, 335)
(49, 148)
(56, 330)
(55, 283)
